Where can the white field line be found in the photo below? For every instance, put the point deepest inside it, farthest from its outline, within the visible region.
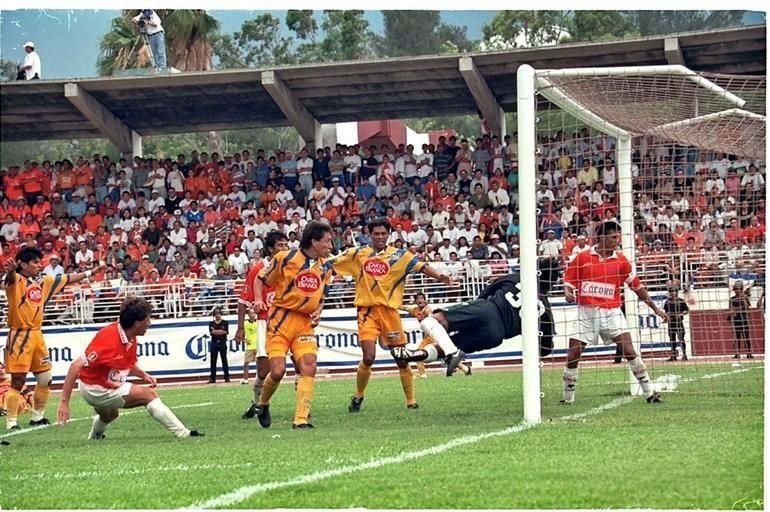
(129, 471)
(126, 413)
(243, 493)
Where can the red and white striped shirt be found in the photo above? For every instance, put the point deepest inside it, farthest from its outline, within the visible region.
(598, 281)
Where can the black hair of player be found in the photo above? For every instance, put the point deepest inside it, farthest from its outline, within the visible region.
(133, 310)
(607, 228)
(379, 222)
(29, 254)
(314, 230)
(273, 238)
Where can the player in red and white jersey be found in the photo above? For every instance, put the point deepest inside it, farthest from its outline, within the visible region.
(595, 279)
(275, 241)
(104, 368)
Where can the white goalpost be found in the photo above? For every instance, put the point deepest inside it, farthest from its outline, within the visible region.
(669, 103)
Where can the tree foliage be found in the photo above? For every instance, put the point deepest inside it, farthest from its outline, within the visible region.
(259, 43)
(408, 33)
(527, 28)
(667, 22)
(7, 70)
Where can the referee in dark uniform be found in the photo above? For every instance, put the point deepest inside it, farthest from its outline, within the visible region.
(218, 330)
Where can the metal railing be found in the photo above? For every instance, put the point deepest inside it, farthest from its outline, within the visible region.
(100, 302)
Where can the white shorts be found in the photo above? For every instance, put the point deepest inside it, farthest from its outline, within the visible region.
(598, 323)
(99, 397)
(250, 355)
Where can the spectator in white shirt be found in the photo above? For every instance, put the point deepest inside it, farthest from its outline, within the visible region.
(155, 202)
(753, 180)
(551, 247)
(209, 268)
(336, 194)
(32, 67)
(319, 193)
(440, 219)
(10, 229)
(178, 236)
(498, 196)
(543, 193)
(451, 232)
(305, 171)
(238, 261)
(251, 244)
(53, 268)
(581, 245)
(417, 236)
(84, 255)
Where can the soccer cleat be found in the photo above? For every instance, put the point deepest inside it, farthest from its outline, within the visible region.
(96, 437)
(413, 406)
(685, 358)
(3, 412)
(566, 402)
(469, 371)
(244, 381)
(736, 356)
(250, 412)
(263, 415)
(453, 361)
(14, 427)
(654, 398)
(39, 423)
(302, 425)
(672, 358)
(3, 442)
(195, 433)
(355, 404)
(617, 360)
(422, 376)
(749, 356)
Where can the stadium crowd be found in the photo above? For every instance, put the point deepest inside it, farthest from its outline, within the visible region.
(159, 221)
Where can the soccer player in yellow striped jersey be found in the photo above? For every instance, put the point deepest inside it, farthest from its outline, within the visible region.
(299, 278)
(380, 274)
(28, 293)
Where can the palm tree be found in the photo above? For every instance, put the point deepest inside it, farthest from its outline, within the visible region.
(188, 41)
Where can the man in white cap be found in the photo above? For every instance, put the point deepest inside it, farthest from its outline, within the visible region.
(31, 67)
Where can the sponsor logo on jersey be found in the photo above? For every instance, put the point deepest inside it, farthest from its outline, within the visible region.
(376, 267)
(307, 282)
(269, 298)
(597, 290)
(34, 294)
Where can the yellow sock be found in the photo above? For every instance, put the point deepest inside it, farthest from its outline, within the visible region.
(268, 390)
(12, 399)
(407, 382)
(362, 378)
(40, 400)
(304, 399)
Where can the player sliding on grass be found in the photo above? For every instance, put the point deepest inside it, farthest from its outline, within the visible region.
(380, 274)
(275, 241)
(28, 294)
(484, 323)
(595, 278)
(104, 368)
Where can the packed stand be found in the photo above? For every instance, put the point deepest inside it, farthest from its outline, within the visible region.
(184, 231)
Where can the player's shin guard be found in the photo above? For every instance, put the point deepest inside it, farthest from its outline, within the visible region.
(363, 374)
(258, 385)
(304, 399)
(12, 399)
(433, 329)
(569, 377)
(407, 382)
(268, 390)
(639, 369)
(163, 415)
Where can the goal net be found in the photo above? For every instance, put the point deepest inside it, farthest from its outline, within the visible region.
(677, 159)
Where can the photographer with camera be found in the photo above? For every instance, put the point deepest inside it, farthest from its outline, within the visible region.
(148, 22)
(30, 70)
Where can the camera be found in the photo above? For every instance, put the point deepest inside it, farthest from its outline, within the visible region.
(144, 17)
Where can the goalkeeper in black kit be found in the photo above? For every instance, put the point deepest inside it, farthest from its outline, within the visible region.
(481, 324)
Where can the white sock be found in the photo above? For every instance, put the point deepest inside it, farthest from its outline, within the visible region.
(432, 354)
(570, 377)
(97, 428)
(639, 369)
(433, 329)
(36, 415)
(9, 424)
(163, 415)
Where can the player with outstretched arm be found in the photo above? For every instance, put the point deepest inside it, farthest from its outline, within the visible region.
(104, 368)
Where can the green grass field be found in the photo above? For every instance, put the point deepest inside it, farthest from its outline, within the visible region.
(464, 448)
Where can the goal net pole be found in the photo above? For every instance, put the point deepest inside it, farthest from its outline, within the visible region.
(528, 241)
